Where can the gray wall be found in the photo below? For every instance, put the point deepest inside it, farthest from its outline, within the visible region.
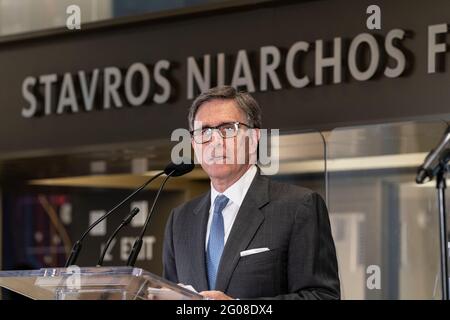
(414, 94)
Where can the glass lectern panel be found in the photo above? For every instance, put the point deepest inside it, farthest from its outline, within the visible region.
(93, 283)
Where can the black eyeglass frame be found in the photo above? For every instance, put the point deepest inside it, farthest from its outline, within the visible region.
(201, 131)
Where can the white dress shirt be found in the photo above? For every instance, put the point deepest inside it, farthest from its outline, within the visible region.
(236, 194)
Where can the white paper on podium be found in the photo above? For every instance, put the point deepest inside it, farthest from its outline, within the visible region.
(189, 287)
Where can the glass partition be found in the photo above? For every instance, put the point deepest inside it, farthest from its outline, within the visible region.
(385, 226)
(301, 159)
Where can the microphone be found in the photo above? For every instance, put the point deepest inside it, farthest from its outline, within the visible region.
(176, 170)
(172, 170)
(77, 246)
(434, 159)
(124, 222)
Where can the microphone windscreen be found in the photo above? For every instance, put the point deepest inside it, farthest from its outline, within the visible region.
(422, 175)
(179, 169)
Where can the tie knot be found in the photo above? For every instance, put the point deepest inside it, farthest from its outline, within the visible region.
(220, 203)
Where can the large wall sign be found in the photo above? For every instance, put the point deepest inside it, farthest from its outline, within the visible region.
(103, 88)
(311, 65)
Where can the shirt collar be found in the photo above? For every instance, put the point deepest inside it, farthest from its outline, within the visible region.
(237, 191)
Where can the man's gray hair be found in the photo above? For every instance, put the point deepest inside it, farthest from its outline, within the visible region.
(244, 101)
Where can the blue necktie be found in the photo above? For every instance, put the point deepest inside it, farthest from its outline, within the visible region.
(216, 240)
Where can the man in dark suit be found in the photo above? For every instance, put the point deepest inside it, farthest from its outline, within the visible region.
(248, 237)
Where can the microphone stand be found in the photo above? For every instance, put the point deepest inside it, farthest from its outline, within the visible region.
(77, 246)
(441, 186)
(138, 243)
(124, 222)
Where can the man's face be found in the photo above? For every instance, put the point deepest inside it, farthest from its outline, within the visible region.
(224, 157)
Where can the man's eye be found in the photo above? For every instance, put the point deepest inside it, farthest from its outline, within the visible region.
(228, 128)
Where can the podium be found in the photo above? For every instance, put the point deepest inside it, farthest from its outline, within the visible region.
(93, 283)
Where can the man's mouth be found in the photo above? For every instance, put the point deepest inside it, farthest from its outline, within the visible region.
(217, 159)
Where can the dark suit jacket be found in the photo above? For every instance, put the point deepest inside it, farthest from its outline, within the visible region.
(291, 221)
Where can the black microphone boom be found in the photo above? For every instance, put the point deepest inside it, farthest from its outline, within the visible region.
(172, 170)
(124, 222)
(77, 246)
(176, 170)
(435, 159)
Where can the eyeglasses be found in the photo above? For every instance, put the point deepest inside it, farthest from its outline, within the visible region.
(226, 130)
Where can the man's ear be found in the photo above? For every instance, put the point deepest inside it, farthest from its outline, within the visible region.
(193, 145)
(197, 157)
(255, 136)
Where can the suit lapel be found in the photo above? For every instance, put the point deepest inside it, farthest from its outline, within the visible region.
(248, 221)
(201, 214)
